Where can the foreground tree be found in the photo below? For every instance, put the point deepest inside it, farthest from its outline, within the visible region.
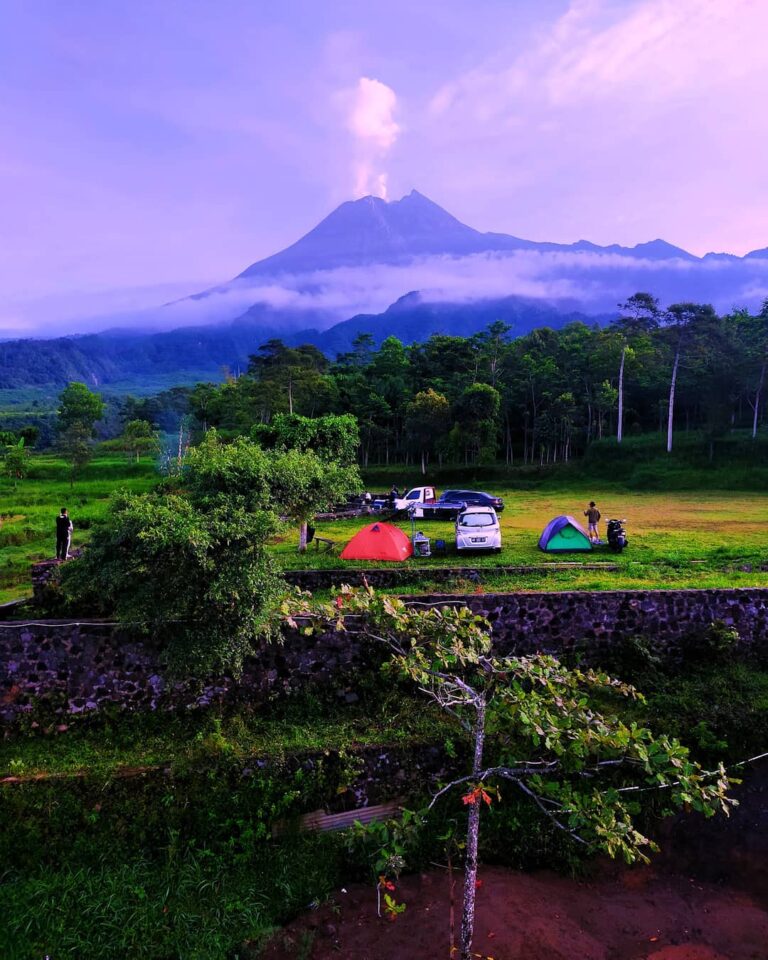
(333, 438)
(79, 409)
(582, 768)
(200, 581)
(303, 484)
(313, 464)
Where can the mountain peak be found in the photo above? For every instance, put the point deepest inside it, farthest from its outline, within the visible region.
(414, 198)
(372, 230)
(414, 195)
(659, 249)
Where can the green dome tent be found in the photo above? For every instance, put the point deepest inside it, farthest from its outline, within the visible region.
(562, 534)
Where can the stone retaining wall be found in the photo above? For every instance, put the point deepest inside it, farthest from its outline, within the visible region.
(52, 671)
(389, 577)
(44, 576)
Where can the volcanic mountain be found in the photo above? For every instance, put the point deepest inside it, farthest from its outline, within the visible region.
(406, 268)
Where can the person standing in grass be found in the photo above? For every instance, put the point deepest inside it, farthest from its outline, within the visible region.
(593, 518)
(64, 530)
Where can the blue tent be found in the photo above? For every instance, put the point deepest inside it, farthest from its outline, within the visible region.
(562, 534)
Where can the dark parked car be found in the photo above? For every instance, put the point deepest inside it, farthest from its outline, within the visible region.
(474, 498)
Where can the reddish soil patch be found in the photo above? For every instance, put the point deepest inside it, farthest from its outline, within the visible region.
(628, 915)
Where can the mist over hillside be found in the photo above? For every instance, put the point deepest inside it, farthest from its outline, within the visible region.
(406, 268)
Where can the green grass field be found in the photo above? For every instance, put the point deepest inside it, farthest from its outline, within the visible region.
(682, 538)
(676, 539)
(28, 511)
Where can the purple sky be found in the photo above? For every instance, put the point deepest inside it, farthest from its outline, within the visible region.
(149, 149)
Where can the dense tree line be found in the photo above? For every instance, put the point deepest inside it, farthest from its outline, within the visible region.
(539, 398)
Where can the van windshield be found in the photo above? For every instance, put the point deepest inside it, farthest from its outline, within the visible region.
(477, 520)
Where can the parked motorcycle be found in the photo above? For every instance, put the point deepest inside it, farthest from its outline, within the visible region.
(617, 535)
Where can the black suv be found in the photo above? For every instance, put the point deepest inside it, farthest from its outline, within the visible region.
(474, 498)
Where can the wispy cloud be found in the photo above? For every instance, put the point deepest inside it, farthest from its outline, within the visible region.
(638, 114)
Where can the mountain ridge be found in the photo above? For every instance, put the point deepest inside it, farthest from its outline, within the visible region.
(459, 279)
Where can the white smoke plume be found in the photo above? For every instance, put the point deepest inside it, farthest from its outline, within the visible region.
(372, 123)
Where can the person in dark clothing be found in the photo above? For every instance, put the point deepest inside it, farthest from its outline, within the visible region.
(63, 535)
(394, 493)
(593, 518)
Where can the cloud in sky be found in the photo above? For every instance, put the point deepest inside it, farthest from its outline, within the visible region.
(372, 123)
(596, 282)
(634, 116)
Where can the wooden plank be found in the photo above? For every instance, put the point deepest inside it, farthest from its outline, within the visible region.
(320, 820)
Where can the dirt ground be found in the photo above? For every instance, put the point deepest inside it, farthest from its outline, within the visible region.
(705, 897)
(622, 915)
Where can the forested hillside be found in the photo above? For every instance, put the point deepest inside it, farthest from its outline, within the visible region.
(189, 354)
(541, 397)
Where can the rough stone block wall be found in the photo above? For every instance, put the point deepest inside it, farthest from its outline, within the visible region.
(52, 671)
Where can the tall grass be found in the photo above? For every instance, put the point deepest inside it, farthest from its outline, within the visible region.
(193, 906)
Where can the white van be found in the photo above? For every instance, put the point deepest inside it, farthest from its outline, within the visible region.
(477, 528)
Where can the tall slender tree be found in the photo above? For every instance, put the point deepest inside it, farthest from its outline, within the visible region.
(639, 314)
(681, 321)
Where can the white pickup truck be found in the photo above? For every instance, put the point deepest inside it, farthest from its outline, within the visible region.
(422, 503)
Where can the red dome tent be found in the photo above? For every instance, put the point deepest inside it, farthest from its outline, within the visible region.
(378, 541)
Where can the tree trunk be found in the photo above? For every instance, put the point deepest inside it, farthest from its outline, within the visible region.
(758, 395)
(473, 833)
(620, 425)
(423, 463)
(671, 411)
(303, 536)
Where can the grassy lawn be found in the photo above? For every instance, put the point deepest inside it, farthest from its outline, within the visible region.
(28, 512)
(684, 538)
(676, 539)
